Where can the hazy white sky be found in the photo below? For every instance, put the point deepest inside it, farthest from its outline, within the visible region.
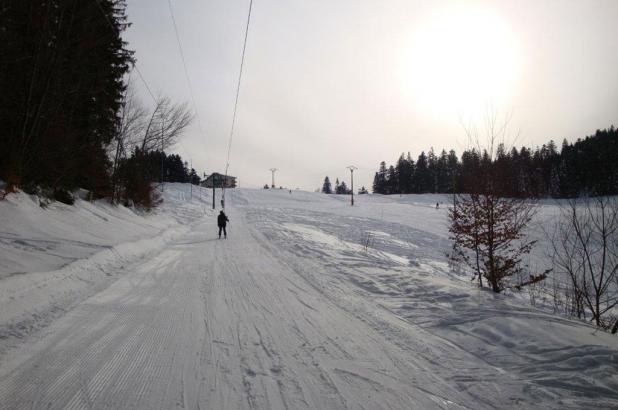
(330, 83)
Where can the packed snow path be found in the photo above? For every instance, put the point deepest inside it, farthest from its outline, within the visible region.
(262, 321)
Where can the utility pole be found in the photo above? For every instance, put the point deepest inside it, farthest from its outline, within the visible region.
(352, 168)
(162, 154)
(191, 177)
(273, 171)
(203, 181)
(223, 183)
(213, 190)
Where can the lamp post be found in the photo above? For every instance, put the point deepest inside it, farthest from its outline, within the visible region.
(352, 168)
(213, 189)
(273, 181)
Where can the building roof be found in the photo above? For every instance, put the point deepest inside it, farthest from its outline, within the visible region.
(219, 175)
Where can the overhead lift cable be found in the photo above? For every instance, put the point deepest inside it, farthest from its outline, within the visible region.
(184, 65)
(136, 68)
(111, 25)
(242, 62)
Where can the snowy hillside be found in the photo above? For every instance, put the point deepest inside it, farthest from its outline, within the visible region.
(52, 257)
(309, 303)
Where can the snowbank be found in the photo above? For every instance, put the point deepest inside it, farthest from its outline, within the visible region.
(53, 257)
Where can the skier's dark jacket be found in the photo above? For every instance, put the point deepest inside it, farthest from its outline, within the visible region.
(222, 219)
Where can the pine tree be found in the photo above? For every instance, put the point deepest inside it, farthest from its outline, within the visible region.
(422, 176)
(391, 181)
(453, 172)
(194, 178)
(404, 172)
(443, 181)
(61, 76)
(326, 186)
(342, 189)
(375, 187)
(411, 168)
(432, 171)
(379, 183)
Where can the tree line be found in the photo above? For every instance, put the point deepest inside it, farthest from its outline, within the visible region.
(341, 188)
(137, 173)
(69, 118)
(585, 167)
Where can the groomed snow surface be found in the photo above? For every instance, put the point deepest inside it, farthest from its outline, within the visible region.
(309, 304)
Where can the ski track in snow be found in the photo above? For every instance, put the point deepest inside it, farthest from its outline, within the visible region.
(308, 305)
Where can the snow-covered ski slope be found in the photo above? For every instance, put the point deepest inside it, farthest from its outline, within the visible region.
(309, 303)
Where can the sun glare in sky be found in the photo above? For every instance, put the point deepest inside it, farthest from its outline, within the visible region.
(460, 61)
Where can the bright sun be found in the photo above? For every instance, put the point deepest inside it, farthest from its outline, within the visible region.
(462, 60)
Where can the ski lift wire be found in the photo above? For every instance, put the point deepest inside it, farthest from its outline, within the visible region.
(139, 73)
(134, 63)
(242, 62)
(186, 71)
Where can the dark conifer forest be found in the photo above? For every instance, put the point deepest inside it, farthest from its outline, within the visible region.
(61, 76)
(588, 166)
(65, 105)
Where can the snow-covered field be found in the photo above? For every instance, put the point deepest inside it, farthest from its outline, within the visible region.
(310, 303)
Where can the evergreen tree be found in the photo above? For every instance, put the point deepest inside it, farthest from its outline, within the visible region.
(391, 181)
(422, 177)
(411, 167)
(326, 186)
(194, 178)
(524, 175)
(432, 170)
(443, 181)
(404, 171)
(342, 189)
(379, 183)
(587, 166)
(61, 76)
(470, 171)
(375, 188)
(453, 172)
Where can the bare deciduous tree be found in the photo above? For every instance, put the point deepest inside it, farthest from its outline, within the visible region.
(585, 250)
(141, 130)
(165, 124)
(132, 119)
(130, 128)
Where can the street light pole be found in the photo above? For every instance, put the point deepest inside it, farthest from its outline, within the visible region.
(162, 154)
(352, 168)
(213, 190)
(273, 172)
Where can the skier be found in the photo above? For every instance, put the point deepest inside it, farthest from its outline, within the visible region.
(222, 222)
